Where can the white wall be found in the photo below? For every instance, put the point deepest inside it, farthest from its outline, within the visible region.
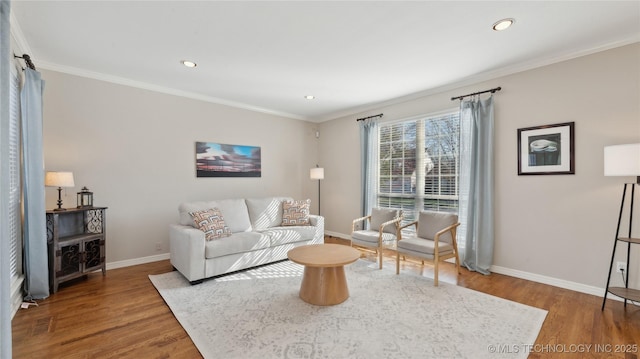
(135, 149)
(559, 226)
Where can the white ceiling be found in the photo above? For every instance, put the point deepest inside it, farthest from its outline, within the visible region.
(267, 55)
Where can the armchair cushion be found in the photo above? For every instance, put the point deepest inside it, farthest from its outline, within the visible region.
(425, 247)
(381, 215)
(431, 222)
(372, 236)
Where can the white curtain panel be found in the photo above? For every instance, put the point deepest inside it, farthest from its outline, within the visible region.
(476, 182)
(35, 227)
(368, 161)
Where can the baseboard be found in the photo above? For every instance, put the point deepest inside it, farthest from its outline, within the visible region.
(136, 261)
(337, 235)
(561, 283)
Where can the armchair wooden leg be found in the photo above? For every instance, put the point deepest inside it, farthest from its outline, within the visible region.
(397, 263)
(380, 258)
(435, 273)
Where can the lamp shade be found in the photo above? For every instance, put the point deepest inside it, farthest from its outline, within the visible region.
(622, 160)
(316, 173)
(59, 179)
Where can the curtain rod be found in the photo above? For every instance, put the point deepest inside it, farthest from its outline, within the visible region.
(366, 118)
(477, 93)
(26, 59)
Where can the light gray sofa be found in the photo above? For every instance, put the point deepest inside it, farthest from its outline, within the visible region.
(258, 237)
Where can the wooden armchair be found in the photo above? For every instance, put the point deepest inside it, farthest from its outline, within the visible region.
(384, 228)
(435, 240)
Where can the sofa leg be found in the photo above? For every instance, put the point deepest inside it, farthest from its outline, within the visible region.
(194, 282)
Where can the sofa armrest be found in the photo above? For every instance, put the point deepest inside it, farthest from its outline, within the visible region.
(318, 223)
(186, 246)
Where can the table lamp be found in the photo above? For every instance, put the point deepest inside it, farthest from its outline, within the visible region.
(59, 179)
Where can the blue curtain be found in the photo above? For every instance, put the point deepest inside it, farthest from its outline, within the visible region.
(35, 231)
(5, 248)
(476, 182)
(368, 160)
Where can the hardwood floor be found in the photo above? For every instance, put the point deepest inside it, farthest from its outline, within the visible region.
(122, 315)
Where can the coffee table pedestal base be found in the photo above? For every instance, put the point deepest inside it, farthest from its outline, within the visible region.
(324, 285)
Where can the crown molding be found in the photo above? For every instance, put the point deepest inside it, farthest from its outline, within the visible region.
(475, 79)
(162, 89)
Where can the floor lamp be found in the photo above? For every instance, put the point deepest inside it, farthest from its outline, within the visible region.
(317, 173)
(623, 160)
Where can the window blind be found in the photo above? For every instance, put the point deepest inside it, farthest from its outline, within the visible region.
(15, 225)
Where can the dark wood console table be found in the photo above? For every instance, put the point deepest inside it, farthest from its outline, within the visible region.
(76, 242)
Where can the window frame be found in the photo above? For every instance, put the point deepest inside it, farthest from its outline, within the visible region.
(412, 201)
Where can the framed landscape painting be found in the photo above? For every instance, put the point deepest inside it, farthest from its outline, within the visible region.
(222, 160)
(546, 150)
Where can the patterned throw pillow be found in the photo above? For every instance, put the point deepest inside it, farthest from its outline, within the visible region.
(211, 222)
(296, 213)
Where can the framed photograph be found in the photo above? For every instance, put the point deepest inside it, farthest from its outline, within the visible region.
(546, 150)
(222, 160)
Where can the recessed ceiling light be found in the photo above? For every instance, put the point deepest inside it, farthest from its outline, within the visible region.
(310, 97)
(188, 63)
(503, 24)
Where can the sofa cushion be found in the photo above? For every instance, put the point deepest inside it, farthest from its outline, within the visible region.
(234, 211)
(289, 234)
(295, 213)
(211, 222)
(236, 243)
(265, 212)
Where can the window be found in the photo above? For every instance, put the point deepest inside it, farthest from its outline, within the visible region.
(418, 164)
(15, 211)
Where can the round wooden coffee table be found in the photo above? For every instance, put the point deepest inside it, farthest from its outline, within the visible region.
(324, 282)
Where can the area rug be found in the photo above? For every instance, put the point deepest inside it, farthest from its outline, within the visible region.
(258, 314)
